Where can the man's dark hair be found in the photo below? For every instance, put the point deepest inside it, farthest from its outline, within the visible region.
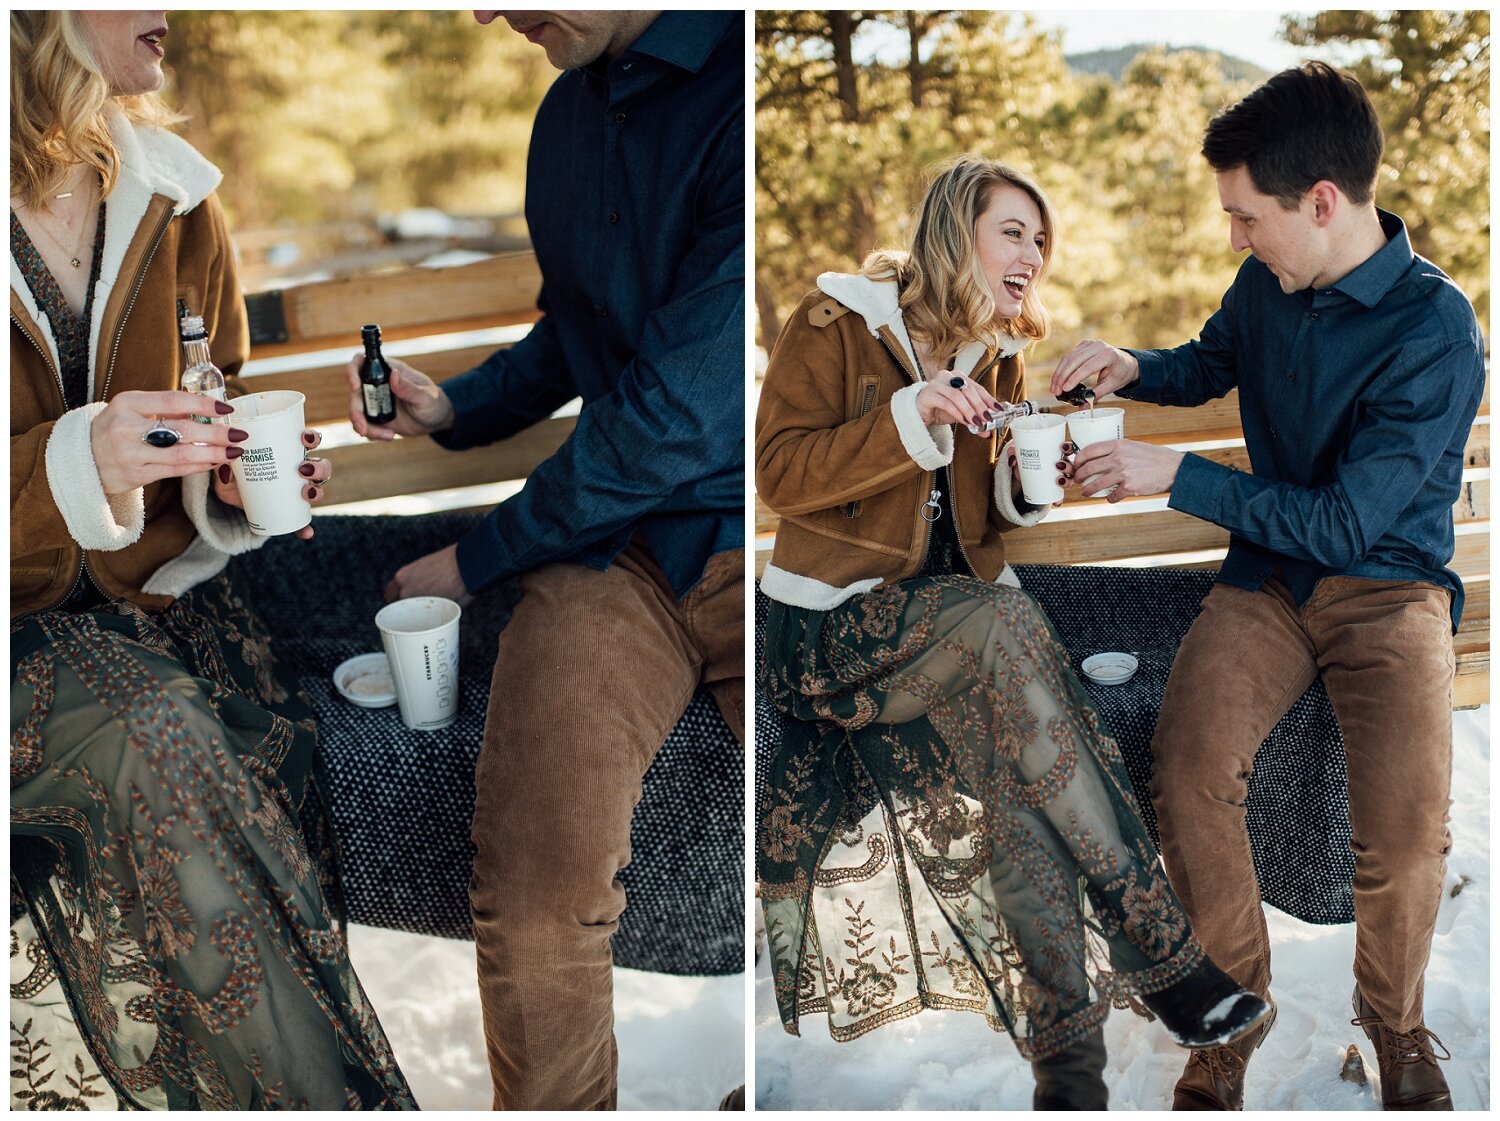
(1306, 124)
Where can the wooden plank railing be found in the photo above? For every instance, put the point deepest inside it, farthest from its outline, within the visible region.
(1144, 532)
(409, 304)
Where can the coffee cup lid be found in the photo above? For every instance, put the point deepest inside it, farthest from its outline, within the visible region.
(365, 680)
(1113, 667)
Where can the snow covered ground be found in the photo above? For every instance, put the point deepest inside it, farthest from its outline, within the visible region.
(943, 1060)
(681, 1039)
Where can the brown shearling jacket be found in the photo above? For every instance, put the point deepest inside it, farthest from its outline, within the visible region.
(842, 455)
(165, 239)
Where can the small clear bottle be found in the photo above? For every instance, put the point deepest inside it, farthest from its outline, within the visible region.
(199, 374)
(1009, 413)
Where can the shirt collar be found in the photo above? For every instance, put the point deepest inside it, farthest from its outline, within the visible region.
(1378, 274)
(684, 39)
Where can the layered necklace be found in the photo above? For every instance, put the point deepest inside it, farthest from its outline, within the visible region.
(73, 256)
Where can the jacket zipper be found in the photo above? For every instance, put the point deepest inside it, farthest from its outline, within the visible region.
(953, 499)
(56, 373)
(140, 279)
(47, 358)
(927, 535)
(852, 509)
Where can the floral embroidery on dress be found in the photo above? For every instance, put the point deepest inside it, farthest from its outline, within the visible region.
(171, 875)
(946, 806)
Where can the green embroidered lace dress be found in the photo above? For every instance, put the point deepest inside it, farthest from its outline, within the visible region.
(174, 943)
(947, 824)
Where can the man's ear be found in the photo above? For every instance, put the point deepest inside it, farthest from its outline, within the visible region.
(1326, 199)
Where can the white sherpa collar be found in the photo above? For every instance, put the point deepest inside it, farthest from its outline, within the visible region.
(152, 161)
(875, 299)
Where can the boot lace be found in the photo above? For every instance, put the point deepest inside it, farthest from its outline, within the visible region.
(1418, 1046)
(1223, 1064)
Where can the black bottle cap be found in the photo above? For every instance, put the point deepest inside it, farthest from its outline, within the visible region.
(370, 331)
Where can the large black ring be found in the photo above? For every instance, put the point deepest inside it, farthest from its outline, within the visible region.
(956, 381)
(161, 436)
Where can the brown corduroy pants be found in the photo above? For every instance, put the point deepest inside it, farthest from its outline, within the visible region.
(1385, 653)
(593, 671)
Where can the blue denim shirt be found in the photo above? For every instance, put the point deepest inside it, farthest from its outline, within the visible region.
(635, 198)
(1356, 401)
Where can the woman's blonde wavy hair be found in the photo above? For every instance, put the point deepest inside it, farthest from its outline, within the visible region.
(57, 99)
(945, 300)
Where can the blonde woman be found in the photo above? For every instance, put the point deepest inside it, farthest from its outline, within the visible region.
(175, 922)
(946, 822)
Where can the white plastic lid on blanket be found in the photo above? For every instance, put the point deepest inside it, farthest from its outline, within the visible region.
(365, 680)
(1113, 667)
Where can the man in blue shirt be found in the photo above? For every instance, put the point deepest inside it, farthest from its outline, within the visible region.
(629, 540)
(1360, 368)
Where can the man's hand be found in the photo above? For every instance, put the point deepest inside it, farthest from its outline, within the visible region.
(1116, 369)
(421, 405)
(436, 574)
(1131, 467)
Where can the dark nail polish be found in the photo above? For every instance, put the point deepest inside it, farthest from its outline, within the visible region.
(238, 435)
(233, 453)
(309, 439)
(307, 469)
(1061, 466)
(225, 474)
(223, 408)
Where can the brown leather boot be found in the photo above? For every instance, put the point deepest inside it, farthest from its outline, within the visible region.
(1073, 1078)
(1409, 1074)
(1215, 1076)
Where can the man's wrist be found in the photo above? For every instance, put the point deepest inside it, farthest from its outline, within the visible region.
(448, 414)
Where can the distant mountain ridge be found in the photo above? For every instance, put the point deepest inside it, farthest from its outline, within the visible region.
(1112, 62)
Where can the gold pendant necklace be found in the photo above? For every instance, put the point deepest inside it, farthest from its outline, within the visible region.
(75, 257)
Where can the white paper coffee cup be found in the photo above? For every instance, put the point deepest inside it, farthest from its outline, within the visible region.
(1039, 442)
(1094, 426)
(420, 636)
(266, 474)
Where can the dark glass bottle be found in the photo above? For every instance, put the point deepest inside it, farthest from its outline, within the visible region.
(1080, 396)
(375, 379)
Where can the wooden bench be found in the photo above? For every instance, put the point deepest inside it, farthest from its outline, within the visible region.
(400, 802)
(1093, 567)
(1142, 532)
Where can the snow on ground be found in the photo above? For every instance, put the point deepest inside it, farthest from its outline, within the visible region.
(951, 1060)
(681, 1039)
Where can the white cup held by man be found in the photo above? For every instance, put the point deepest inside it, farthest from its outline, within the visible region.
(420, 636)
(1094, 426)
(269, 485)
(1039, 442)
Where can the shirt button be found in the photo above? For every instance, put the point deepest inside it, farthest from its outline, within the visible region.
(619, 118)
(1273, 434)
(602, 312)
(613, 217)
(1312, 315)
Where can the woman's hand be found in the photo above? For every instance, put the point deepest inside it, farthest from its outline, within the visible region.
(317, 472)
(1116, 368)
(126, 462)
(1064, 471)
(421, 404)
(939, 401)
